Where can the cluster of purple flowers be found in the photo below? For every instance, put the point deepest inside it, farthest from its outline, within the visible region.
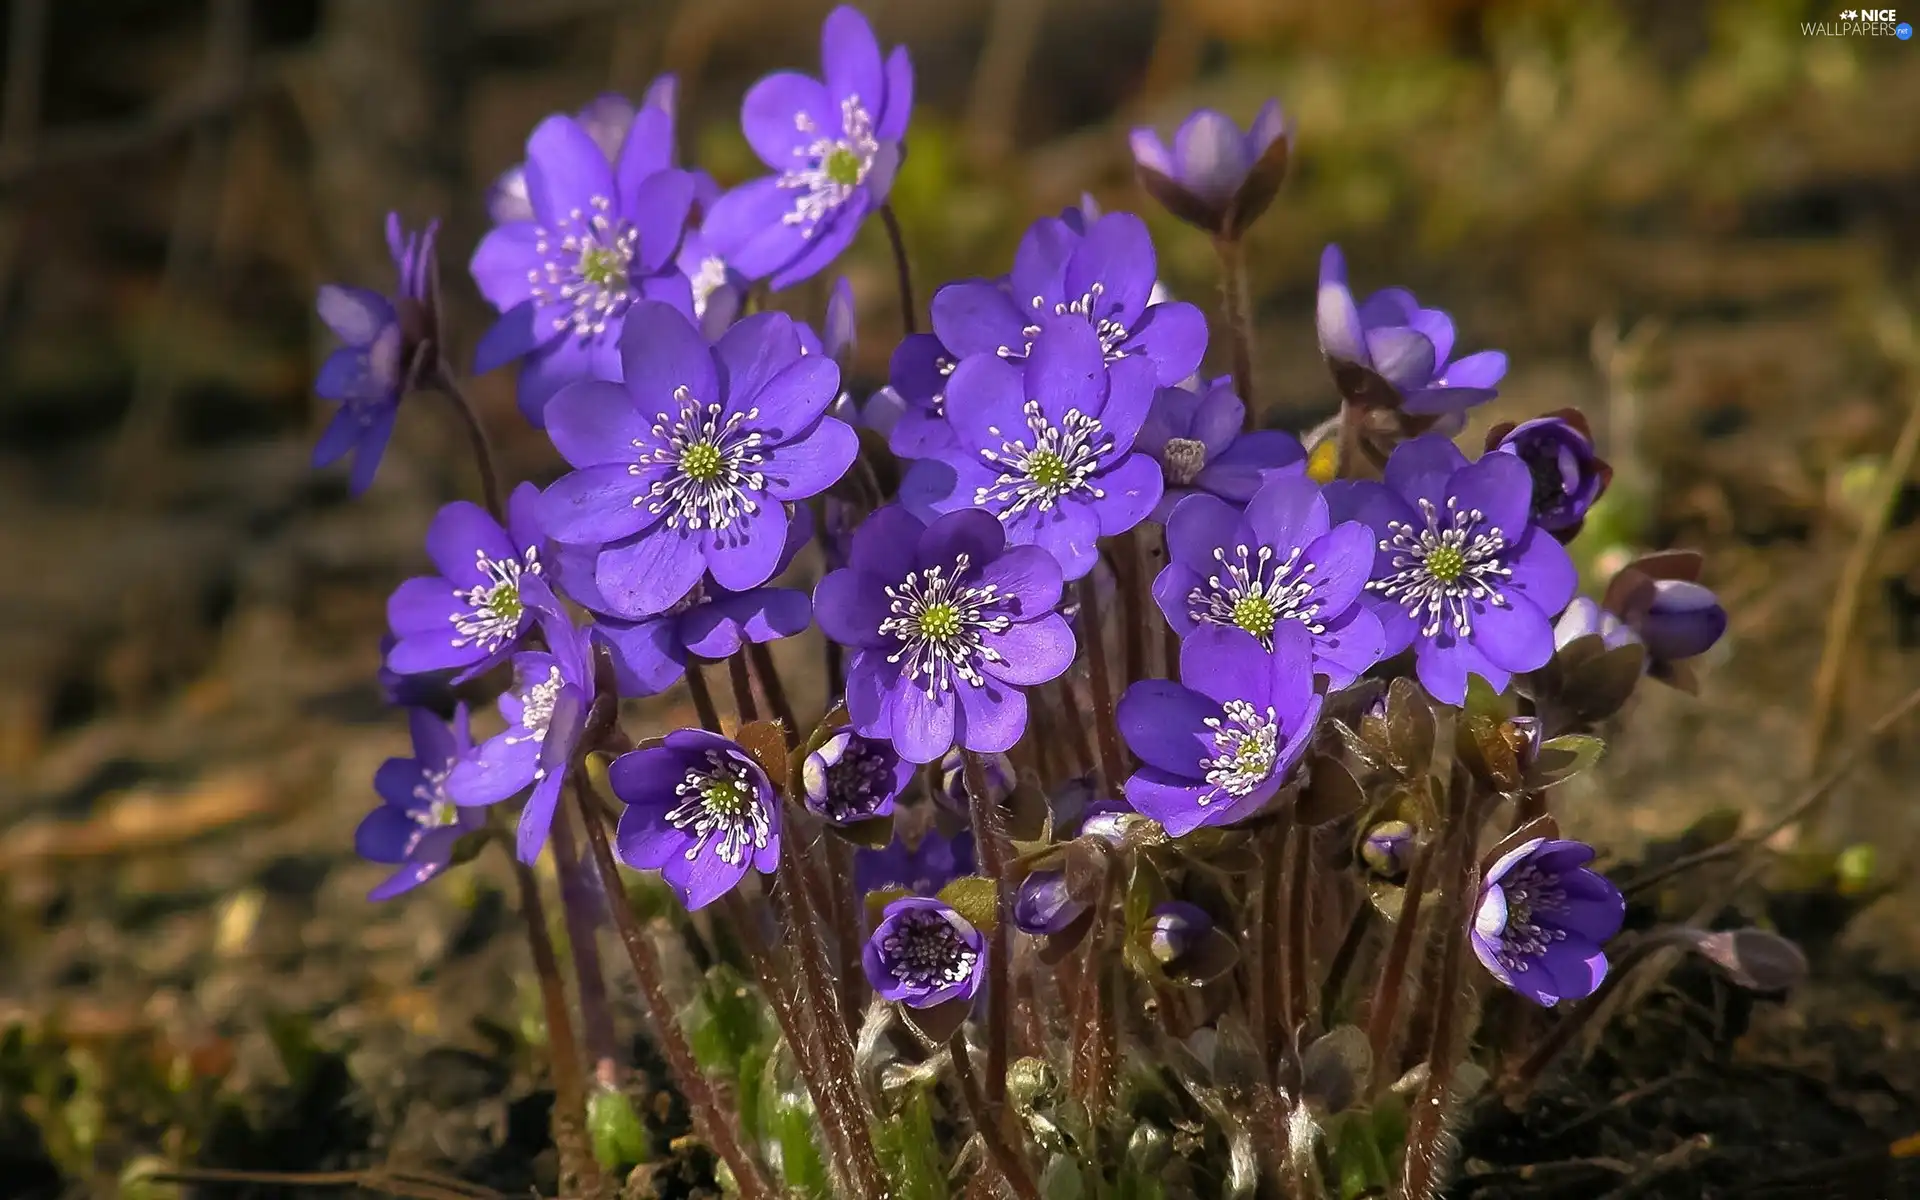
(1051, 425)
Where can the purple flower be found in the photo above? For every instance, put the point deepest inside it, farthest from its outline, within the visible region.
(918, 374)
(1219, 745)
(1197, 439)
(1214, 176)
(431, 690)
(602, 238)
(1389, 339)
(719, 291)
(1567, 475)
(650, 651)
(852, 778)
(952, 793)
(473, 614)
(699, 810)
(1584, 616)
(1388, 849)
(1100, 282)
(833, 146)
(1174, 929)
(1541, 918)
(1681, 619)
(1281, 560)
(1047, 447)
(416, 826)
(380, 339)
(687, 466)
(1043, 906)
(923, 953)
(1462, 574)
(947, 624)
(838, 331)
(608, 119)
(922, 868)
(546, 712)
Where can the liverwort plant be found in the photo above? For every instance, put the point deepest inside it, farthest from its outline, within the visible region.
(1205, 880)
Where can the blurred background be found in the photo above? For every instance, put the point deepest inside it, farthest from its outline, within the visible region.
(1693, 220)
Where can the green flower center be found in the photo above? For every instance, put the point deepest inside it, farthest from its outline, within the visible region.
(1047, 469)
(702, 462)
(503, 604)
(843, 166)
(725, 797)
(603, 266)
(1446, 563)
(939, 622)
(1255, 614)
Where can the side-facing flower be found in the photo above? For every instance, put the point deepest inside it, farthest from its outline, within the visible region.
(416, 825)
(851, 778)
(1461, 572)
(687, 466)
(922, 867)
(1220, 744)
(546, 712)
(1584, 616)
(380, 339)
(650, 651)
(602, 238)
(1101, 281)
(952, 793)
(1043, 905)
(1214, 176)
(1568, 477)
(1280, 561)
(1174, 930)
(475, 612)
(1197, 439)
(1046, 446)
(699, 810)
(918, 374)
(1660, 598)
(923, 953)
(1541, 919)
(719, 291)
(834, 147)
(1390, 340)
(947, 623)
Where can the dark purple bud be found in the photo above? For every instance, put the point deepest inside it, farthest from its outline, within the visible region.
(1043, 905)
(1388, 849)
(851, 778)
(1682, 620)
(1568, 477)
(1214, 176)
(997, 768)
(1174, 930)
(924, 953)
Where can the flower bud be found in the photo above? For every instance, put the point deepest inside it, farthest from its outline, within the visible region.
(1568, 477)
(1043, 905)
(1682, 620)
(1388, 849)
(997, 768)
(1174, 930)
(1213, 176)
(1585, 616)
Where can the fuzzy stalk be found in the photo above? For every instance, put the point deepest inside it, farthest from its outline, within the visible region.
(986, 1120)
(902, 272)
(1423, 1172)
(1297, 946)
(1107, 733)
(703, 705)
(1237, 306)
(584, 909)
(774, 690)
(711, 1120)
(990, 842)
(1069, 713)
(743, 702)
(1390, 989)
(1334, 987)
(448, 384)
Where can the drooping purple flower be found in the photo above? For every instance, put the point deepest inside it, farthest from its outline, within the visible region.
(650, 651)
(1100, 281)
(602, 238)
(947, 623)
(1568, 477)
(475, 612)
(1174, 929)
(1043, 905)
(1197, 439)
(417, 826)
(380, 339)
(833, 146)
(1215, 177)
(1389, 339)
(546, 712)
(1681, 619)
(1280, 561)
(850, 778)
(1047, 446)
(688, 465)
(1542, 918)
(1220, 744)
(923, 953)
(1461, 572)
(699, 810)
(1584, 616)
(922, 867)
(953, 794)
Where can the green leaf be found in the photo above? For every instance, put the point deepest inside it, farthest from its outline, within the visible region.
(724, 1021)
(795, 1128)
(619, 1138)
(1359, 1169)
(1564, 757)
(976, 898)
(910, 1152)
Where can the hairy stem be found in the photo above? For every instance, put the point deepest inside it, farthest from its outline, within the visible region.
(584, 908)
(1333, 988)
(702, 698)
(743, 701)
(1298, 945)
(577, 1165)
(903, 274)
(990, 841)
(1391, 986)
(1237, 306)
(986, 1120)
(448, 384)
(1423, 1170)
(775, 691)
(1108, 734)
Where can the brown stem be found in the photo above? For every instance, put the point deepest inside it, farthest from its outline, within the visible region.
(1107, 733)
(775, 691)
(1070, 713)
(702, 698)
(582, 907)
(989, 841)
(846, 930)
(710, 1119)
(448, 384)
(577, 1164)
(1005, 1158)
(1237, 307)
(1333, 988)
(743, 702)
(1422, 1170)
(903, 274)
(1267, 991)
(1391, 985)
(1138, 600)
(1298, 946)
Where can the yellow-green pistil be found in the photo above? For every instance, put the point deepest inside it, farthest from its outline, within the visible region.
(843, 166)
(702, 462)
(725, 797)
(1255, 614)
(939, 622)
(602, 266)
(1446, 563)
(1047, 469)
